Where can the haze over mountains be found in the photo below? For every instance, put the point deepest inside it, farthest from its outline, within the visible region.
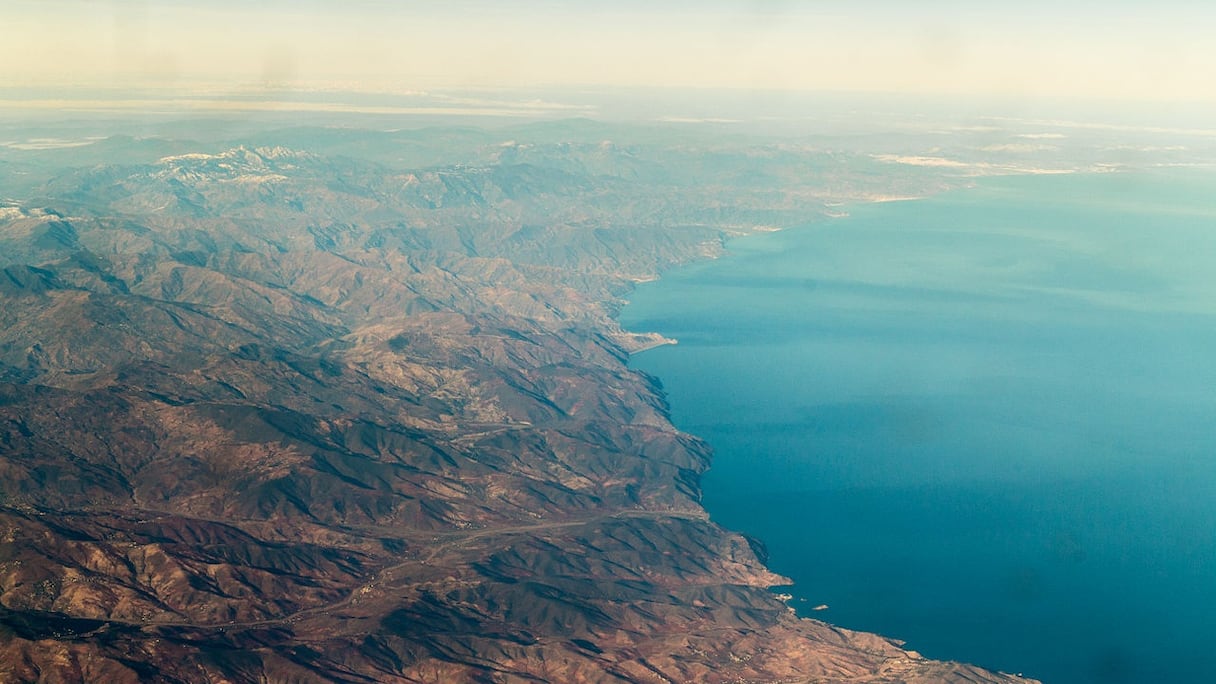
(340, 404)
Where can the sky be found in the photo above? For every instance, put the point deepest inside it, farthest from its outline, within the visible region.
(1116, 49)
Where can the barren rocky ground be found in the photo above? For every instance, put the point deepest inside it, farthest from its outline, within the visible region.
(269, 414)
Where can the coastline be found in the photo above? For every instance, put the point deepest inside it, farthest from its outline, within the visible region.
(803, 604)
(808, 603)
(664, 342)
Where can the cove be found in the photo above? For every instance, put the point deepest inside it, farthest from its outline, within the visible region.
(983, 422)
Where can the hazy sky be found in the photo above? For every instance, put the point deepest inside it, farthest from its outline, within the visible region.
(1141, 50)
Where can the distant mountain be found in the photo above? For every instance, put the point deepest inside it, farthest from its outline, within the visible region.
(273, 414)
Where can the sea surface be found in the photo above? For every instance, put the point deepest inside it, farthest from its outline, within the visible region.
(983, 423)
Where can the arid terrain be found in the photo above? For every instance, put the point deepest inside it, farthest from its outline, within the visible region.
(307, 412)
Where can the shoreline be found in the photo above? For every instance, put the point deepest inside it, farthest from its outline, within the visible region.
(665, 342)
(803, 607)
(808, 606)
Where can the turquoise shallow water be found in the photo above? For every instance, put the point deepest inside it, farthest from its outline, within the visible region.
(984, 423)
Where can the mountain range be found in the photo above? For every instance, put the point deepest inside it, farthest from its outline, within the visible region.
(319, 406)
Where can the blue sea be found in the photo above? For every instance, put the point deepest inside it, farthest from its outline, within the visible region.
(983, 422)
